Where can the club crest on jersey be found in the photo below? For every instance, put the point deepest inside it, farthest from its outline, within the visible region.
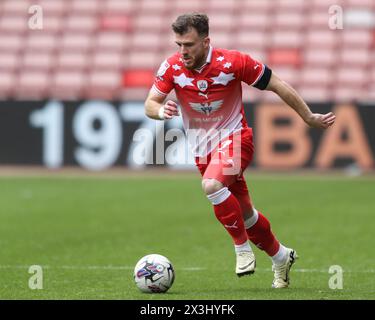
(202, 85)
(163, 69)
(206, 108)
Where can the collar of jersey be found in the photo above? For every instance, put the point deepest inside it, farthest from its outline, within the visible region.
(208, 60)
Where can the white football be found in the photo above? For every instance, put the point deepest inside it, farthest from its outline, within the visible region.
(154, 273)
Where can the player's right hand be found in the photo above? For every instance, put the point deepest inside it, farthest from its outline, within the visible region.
(170, 109)
(321, 121)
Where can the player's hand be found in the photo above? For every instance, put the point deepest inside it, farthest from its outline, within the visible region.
(170, 109)
(321, 121)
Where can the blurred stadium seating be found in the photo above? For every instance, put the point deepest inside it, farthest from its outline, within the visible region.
(110, 49)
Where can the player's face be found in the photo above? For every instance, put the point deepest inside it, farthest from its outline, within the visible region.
(193, 48)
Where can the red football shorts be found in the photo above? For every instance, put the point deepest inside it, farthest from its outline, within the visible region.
(227, 162)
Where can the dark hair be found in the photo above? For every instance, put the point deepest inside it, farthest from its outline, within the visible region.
(198, 21)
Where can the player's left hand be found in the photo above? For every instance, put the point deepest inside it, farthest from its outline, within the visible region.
(321, 121)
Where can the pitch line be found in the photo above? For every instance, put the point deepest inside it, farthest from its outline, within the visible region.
(111, 267)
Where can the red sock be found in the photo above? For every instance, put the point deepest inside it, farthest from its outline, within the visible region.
(261, 235)
(228, 212)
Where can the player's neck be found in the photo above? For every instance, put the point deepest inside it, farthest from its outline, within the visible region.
(204, 60)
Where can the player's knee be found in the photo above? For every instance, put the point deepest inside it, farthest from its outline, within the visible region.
(211, 186)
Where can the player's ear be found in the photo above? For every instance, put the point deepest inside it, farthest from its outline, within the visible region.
(206, 42)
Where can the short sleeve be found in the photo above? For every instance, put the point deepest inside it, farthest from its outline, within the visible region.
(163, 83)
(254, 73)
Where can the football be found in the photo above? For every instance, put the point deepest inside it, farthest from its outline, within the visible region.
(154, 273)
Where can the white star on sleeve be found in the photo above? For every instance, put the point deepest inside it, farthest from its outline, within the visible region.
(183, 81)
(227, 65)
(223, 78)
(176, 67)
(221, 58)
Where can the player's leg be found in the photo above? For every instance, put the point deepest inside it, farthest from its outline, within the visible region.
(229, 213)
(259, 232)
(224, 167)
(257, 226)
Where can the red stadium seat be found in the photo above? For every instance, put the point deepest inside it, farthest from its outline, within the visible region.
(227, 6)
(316, 76)
(252, 21)
(81, 23)
(157, 8)
(318, 19)
(286, 39)
(41, 41)
(67, 84)
(107, 60)
(256, 5)
(223, 21)
(356, 37)
(146, 41)
(138, 78)
(119, 7)
(251, 39)
(143, 60)
(37, 60)
(52, 24)
(8, 61)
(13, 7)
(149, 22)
(355, 57)
(354, 76)
(55, 7)
(14, 23)
(221, 39)
(116, 22)
(324, 4)
(349, 93)
(288, 20)
(103, 84)
(320, 57)
(11, 42)
(369, 94)
(183, 6)
(360, 3)
(7, 83)
(291, 5)
(289, 74)
(83, 40)
(77, 41)
(284, 57)
(32, 84)
(321, 38)
(372, 75)
(314, 93)
(112, 40)
(85, 7)
(72, 60)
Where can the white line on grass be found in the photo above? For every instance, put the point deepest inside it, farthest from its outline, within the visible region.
(110, 267)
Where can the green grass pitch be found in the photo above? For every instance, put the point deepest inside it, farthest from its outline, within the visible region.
(87, 233)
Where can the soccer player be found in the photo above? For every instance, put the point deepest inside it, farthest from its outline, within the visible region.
(207, 83)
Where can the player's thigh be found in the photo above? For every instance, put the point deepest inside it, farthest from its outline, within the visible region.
(231, 158)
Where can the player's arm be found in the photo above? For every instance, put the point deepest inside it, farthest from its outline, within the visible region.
(155, 108)
(294, 100)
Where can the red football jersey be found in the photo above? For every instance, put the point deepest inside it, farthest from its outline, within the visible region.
(210, 98)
